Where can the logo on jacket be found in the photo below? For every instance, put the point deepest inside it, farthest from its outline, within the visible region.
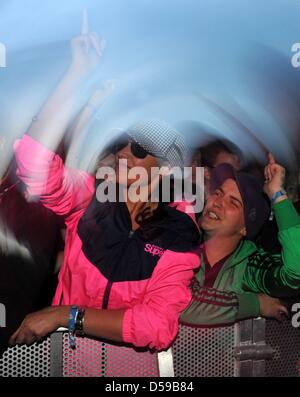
(153, 249)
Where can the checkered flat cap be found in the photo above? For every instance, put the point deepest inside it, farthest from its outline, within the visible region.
(161, 140)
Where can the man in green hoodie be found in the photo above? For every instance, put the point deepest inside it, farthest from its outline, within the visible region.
(237, 280)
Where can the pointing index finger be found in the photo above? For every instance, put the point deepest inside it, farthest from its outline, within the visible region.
(85, 23)
(271, 158)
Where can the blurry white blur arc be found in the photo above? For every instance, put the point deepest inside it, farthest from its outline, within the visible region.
(161, 53)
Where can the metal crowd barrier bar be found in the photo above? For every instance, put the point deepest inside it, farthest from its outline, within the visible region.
(250, 348)
(92, 358)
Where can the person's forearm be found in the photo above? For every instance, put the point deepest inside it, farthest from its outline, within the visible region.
(105, 324)
(80, 125)
(51, 122)
(77, 131)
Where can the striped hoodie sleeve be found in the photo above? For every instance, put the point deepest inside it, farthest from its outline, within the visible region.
(212, 307)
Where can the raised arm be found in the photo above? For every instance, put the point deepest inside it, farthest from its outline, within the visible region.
(277, 275)
(59, 188)
(78, 128)
(52, 121)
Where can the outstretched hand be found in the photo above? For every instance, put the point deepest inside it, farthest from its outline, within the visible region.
(37, 325)
(271, 307)
(86, 48)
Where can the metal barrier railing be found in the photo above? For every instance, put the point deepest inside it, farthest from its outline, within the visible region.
(253, 348)
(92, 358)
(249, 348)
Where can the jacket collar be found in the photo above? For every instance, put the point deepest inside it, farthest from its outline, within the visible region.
(242, 252)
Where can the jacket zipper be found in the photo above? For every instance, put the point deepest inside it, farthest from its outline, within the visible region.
(106, 294)
(110, 283)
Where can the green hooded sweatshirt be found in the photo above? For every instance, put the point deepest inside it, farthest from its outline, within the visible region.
(248, 271)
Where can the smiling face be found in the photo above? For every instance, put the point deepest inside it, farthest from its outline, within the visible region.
(223, 213)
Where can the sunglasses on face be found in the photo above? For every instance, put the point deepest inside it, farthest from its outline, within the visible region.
(137, 150)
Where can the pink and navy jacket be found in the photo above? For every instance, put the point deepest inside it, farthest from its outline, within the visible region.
(146, 272)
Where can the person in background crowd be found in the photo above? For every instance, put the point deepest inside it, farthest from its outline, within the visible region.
(215, 152)
(221, 151)
(30, 242)
(236, 279)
